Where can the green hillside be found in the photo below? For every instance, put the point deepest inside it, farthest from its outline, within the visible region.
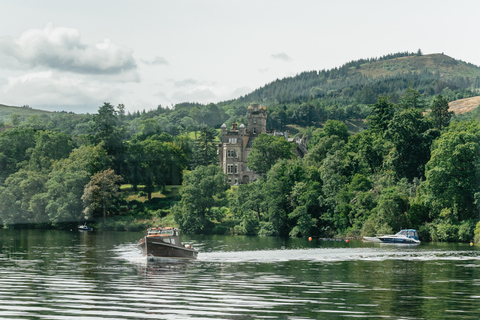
(23, 112)
(360, 82)
(346, 93)
(446, 66)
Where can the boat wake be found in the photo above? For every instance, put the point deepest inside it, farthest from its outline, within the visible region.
(338, 254)
(378, 253)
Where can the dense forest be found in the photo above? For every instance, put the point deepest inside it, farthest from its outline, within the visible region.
(384, 154)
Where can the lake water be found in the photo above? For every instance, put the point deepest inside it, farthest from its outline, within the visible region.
(101, 275)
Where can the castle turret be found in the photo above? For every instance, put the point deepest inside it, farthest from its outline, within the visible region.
(257, 119)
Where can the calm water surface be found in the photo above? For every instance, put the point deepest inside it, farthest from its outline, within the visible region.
(101, 275)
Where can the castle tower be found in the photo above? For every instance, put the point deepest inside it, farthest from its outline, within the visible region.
(236, 143)
(257, 119)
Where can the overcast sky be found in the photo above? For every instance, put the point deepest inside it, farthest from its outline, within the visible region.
(75, 55)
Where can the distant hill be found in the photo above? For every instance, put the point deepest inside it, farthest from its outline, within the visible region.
(446, 66)
(362, 81)
(24, 112)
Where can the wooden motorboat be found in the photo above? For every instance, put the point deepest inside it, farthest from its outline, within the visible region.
(165, 243)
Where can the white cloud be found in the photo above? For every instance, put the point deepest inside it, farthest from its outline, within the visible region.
(157, 61)
(50, 88)
(201, 95)
(281, 56)
(240, 92)
(186, 83)
(62, 49)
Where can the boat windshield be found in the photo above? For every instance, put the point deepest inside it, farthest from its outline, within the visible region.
(409, 233)
(167, 232)
(163, 232)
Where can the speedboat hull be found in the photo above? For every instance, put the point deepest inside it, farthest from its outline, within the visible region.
(388, 239)
(406, 236)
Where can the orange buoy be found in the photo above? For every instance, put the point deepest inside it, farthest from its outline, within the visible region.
(309, 238)
(347, 241)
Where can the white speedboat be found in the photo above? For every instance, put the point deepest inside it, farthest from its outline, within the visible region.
(405, 236)
(85, 228)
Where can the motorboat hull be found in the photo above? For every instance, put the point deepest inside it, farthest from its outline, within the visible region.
(156, 247)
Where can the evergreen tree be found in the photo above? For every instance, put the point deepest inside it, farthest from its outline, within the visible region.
(440, 114)
(206, 147)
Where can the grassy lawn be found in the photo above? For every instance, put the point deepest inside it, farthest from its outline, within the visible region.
(141, 196)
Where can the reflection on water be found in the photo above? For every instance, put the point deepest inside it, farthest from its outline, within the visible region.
(72, 275)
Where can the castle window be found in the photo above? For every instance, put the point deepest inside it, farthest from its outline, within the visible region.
(229, 168)
(232, 140)
(232, 154)
(236, 169)
(254, 130)
(254, 120)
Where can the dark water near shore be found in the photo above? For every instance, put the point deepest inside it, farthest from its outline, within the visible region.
(101, 275)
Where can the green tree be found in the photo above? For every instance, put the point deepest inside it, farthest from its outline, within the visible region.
(161, 163)
(365, 152)
(304, 217)
(202, 189)
(266, 151)
(326, 145)
(14, 144)
(390, 214)
(105, 124)
(49, 147)
(17, 197)
(452, 174)
(15, 119)
(66, 184)
(382, 114)
(412, 99)
(206, 147)
(249, 207)
(100, 192)
(337, 128)
(148, 128)
(134, 160)
(106, 130)
(440, 114)
(411, 135)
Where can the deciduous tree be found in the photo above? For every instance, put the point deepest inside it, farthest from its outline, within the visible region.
(266, 151)
(100, 192)
(202, 189)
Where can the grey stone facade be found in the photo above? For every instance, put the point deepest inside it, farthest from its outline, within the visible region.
(236, 144)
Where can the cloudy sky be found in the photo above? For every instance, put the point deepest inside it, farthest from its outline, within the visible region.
(75, 55)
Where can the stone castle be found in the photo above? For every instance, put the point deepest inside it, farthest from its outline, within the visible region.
(236, 144)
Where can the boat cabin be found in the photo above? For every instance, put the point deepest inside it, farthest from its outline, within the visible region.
(164, 232)
(409, 233)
